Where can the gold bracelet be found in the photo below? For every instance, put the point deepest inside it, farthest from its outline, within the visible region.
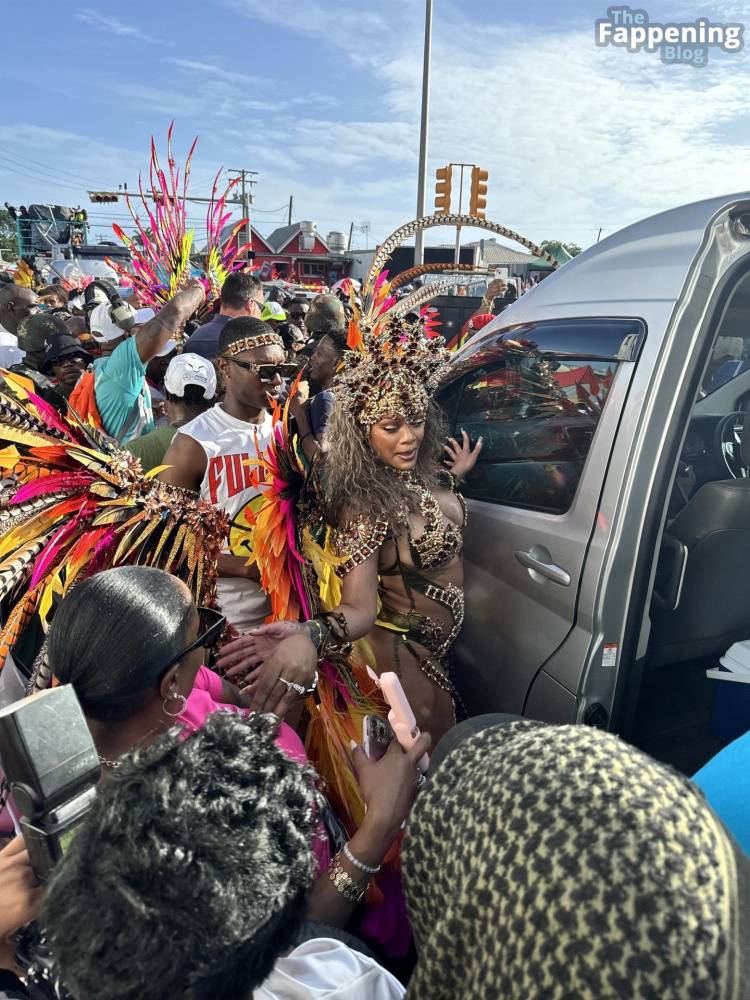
(344, 883)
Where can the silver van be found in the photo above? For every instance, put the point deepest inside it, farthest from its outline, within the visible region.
(608, 547)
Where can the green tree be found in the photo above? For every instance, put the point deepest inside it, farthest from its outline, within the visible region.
(556, 245)
(8, 241)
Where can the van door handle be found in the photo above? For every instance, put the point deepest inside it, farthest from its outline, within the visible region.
(535, 564)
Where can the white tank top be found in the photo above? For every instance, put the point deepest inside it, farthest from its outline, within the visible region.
(230, 444)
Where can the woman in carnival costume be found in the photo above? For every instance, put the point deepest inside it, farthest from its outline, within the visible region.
(386, 513)
(364, 549)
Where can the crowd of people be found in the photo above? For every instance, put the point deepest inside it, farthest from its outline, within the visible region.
(248, 837)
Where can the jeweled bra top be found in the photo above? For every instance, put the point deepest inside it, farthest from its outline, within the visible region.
(441, 540)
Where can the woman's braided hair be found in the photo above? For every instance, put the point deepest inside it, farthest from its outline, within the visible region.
(187, 878)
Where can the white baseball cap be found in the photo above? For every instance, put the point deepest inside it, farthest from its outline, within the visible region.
(143, 316)
(190, 369)
(101, 325)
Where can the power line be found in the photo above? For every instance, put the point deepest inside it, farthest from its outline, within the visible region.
(270, 211)
(34, 177)
(45, 166)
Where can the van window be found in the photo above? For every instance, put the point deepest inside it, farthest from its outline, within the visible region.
(730, 358)
(537, 414)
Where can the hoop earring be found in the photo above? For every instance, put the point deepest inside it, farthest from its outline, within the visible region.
(181, 699)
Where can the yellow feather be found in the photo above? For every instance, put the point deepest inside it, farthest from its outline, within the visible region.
(54, 587)
(324, 564)
(27, 438)
(8, 457)
(153, 473)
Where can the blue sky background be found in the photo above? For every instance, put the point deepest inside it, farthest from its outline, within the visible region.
(321, 97)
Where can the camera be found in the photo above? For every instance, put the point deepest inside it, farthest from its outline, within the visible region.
(121, 314)
(52, 768)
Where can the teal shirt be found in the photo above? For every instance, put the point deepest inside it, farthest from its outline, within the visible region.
(122, 395)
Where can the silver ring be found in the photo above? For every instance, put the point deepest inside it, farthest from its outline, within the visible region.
(291, 686)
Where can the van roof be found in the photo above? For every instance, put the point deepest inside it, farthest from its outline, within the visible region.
(637, 271)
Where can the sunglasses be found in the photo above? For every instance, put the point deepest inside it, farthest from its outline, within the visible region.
(210, 629)
(297, 315)
(267, 373)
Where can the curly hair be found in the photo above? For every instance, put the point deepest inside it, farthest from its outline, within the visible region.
(188, 876)
(356, 482)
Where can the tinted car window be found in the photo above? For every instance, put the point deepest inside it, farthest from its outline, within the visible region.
(731, 354)
(537, 414)
(730, 358)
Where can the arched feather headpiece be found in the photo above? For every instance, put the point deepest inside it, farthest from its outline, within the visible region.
(394, 364)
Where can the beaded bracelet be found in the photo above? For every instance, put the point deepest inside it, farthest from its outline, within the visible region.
(359, 864)
(344, 883)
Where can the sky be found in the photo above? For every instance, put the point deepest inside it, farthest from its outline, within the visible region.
(322, 99)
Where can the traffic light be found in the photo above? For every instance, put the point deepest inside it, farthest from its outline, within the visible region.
(478, 200)
(443, 190)
(101, 196)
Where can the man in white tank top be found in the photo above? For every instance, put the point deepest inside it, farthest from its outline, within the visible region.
(211, 456)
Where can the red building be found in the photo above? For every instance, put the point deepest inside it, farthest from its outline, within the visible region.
(299, 254)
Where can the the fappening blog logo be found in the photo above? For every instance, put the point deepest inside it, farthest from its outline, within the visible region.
(679, 42)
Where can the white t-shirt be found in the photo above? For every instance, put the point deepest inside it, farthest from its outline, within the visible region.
(10, 352)
(230, 445)
(326, 969)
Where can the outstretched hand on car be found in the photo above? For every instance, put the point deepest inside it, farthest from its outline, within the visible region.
(462, 457)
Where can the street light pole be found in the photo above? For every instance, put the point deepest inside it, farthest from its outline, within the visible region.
(422, 179)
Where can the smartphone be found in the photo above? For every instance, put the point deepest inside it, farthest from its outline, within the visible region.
(377, 736)
(401, 716)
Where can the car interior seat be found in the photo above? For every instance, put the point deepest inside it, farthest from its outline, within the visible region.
(701, 600)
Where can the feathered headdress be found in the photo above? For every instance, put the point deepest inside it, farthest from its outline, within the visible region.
(77, 505)
(392, 368)
(395, 365)
(162, 261)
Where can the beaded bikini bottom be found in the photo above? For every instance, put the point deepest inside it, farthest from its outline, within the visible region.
(415, 627)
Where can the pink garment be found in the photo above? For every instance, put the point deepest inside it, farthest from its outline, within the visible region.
(205, 698)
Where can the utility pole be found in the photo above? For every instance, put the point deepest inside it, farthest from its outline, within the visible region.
(599, 235)
(291, 202)
(422, 178)
(349, 241)
(246, 197)
(457, 253)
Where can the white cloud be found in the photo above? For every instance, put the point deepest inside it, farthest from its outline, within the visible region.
(211, 70)
(337, 21)
(575, 137)
(110, 23)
